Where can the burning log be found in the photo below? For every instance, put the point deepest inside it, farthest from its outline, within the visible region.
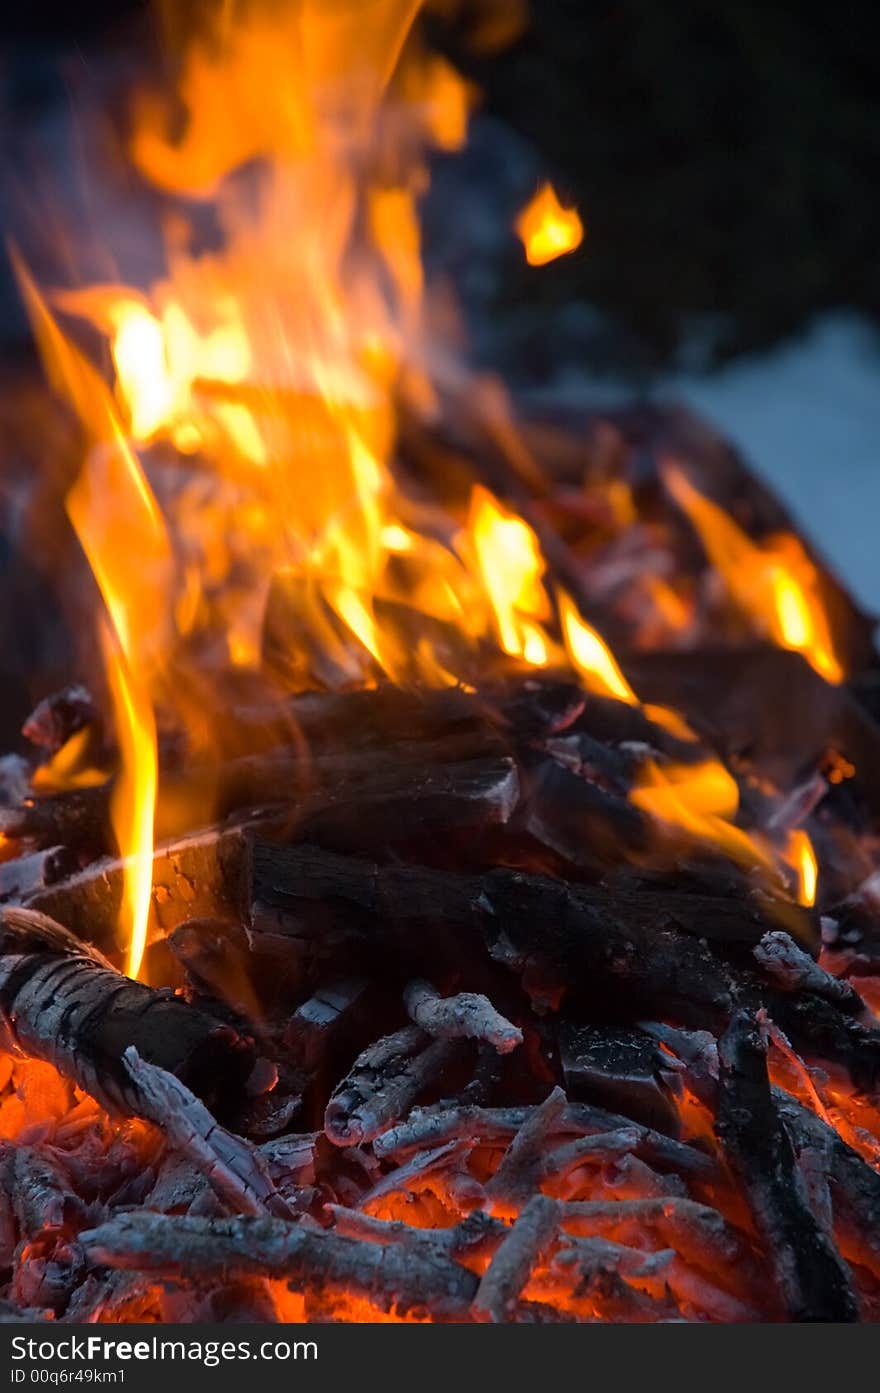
(68, 1006)
(474, 1237)
(383, 1083)
(813, 1280)
(415, 1169)
(309, 1260)
(509, 1270)
(79, 817)
(198, 876)
(854, 1186)
(517, 1177)
(467, 1015)
(647, 952)
(432, 1127)
(234, 1168)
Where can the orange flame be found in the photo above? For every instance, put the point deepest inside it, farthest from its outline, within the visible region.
(546, 229)
(702, 800)
(119, 525)
(511, 566)
(591, 657)
(776, 585)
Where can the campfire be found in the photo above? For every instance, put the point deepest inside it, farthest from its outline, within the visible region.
(447, 887)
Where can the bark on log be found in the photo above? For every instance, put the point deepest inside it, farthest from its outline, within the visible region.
(74, 1012)
(813, 1281)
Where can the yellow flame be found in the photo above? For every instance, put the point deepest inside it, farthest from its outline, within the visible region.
(802, 858)
(775, 584)
(591, 657)
(69, 767)
(511, 566)
(702, 800)
(134, 796)
(546, 229)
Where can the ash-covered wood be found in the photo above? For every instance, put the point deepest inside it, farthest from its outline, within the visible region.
(79, 1014)
(308, 1259)
(512, 1263)
(467, 1015)
(519, 1173)
(790, 968)
(383, 1083)
(433, 1126)
(813, 1280)
(234, 1168)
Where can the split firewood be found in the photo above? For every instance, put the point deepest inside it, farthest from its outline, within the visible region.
(814, 1282)
(196, 877)
(793, 970)
(622, 1068)
(235, 1169)
(467, 1015)
(509, 1270)
(63, 1003)
(309, 1260)
(467, 778)
(383, 1083)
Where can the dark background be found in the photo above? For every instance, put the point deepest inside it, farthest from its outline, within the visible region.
(724, 154)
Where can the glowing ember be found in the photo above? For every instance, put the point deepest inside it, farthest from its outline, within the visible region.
(775, 583)
(546, 229)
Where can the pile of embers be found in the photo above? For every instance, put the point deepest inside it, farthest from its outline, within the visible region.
(438, 1034)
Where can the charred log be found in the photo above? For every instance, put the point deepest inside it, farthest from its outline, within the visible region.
(812, 1278)
(80, 1015)
(306, 1258)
